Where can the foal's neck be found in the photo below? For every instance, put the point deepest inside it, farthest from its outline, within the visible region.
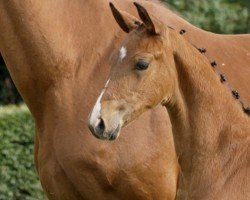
(209, 126)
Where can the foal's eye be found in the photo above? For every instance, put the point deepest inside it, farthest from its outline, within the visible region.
(142, 65)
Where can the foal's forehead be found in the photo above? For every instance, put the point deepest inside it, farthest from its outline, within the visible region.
(141, 42)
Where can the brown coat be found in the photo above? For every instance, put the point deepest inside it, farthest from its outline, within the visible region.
(57, 54)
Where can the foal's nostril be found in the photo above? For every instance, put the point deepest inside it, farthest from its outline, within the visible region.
(101, 126)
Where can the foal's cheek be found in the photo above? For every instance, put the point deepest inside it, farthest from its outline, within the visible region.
(158, 94)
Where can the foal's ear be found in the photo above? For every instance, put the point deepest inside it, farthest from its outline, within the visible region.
(150, 26)
(126, 21)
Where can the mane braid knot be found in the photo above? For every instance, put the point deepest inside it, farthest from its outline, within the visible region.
(182, 31)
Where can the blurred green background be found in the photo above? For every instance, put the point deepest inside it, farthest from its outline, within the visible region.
(219, 16)
(18, 179)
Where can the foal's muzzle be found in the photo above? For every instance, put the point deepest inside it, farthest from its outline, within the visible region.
(100, 131)
(107, 119)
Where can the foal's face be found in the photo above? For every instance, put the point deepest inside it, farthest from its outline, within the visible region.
(140, 79)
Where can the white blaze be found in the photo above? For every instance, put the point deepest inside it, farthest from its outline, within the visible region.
(95, 114)
(123, 52)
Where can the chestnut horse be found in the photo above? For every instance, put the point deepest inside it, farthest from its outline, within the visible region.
(57, 53)
(156, 65)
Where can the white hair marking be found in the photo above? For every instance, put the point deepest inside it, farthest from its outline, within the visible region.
(123, 52)
(95, 114)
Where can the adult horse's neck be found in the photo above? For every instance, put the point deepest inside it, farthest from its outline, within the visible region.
(209, 127)
(46, 48)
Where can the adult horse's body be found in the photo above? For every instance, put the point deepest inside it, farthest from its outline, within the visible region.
(57, 54)
(156, 65)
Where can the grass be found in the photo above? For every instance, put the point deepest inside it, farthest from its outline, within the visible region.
(18, 177)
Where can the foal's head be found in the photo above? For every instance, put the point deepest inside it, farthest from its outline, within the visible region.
(142, 74)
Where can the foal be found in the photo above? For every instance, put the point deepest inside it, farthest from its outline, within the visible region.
(211, 132)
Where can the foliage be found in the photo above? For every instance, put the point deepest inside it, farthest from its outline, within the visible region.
(18, 178)
(8, 92)
(219, 16)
